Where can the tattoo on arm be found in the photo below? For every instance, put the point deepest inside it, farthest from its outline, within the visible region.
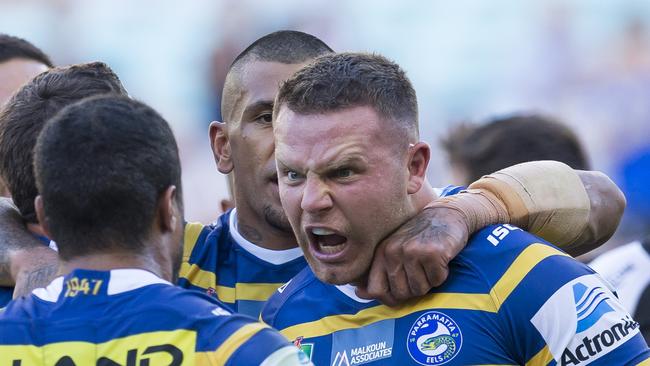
(14, 237)
(425, 227)
(36, 278)
(417, 226)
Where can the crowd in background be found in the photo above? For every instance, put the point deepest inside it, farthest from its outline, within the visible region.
(586, 65)
(496, 86)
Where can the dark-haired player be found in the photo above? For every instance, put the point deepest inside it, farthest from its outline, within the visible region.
(351, 169)
(109, 178)
(21, 120)
(19, 62)
(477, 150)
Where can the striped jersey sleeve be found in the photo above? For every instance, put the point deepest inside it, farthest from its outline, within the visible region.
(552, 310)
(91, 318)
(231, 339)
(195, 244)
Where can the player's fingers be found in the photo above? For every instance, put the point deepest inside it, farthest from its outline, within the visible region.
(377, 284)
(436, 274)
(432, 259)
(417, 277)
(377, 288)
(398, 284)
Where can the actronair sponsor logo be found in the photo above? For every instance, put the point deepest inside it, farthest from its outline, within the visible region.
(591, 305)
(583, 321)
(591, 347)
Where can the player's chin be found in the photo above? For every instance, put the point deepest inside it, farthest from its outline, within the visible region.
(339, 273)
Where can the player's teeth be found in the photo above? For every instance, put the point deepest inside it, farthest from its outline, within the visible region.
(321, 231)
(331, 249)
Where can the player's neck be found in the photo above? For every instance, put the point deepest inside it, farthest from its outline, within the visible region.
(259, 232)
(418, 201)
(424, 196)
(116, 260)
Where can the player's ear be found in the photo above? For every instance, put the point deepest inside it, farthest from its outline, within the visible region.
(40, 215)
(167, 210)
(221, 146)
(418, 160)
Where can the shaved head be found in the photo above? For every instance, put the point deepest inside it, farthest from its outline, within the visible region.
(285, 47)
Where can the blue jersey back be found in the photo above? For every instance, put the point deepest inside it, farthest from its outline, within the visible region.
(215, 262)
(510, 298)
(128, 317)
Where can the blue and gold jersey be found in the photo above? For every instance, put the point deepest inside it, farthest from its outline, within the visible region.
(6, 293)
(510, 299)
(131, 317)
(242, 275)
(219, 261)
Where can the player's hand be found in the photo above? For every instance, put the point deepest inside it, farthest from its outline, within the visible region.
(415, 257)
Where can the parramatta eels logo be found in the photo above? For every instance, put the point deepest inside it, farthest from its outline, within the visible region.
(434, 339)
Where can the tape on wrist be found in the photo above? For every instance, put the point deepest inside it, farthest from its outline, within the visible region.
(478, 207)
(547, 198)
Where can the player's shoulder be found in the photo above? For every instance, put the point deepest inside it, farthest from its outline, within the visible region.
(203, 247)
(17, 309)
(220, 334)
(503, 243)
(583, 321)
(234, 338)
(181, 300)
(197, 234)
(497, 250)
(291, 292)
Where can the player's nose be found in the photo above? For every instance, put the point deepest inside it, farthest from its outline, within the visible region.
(316, 196)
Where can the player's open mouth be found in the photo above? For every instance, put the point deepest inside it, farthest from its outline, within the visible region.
(327, 244)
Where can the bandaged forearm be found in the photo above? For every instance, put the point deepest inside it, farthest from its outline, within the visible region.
(547, 198)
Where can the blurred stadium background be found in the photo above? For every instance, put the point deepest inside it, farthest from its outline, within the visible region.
(586, 63)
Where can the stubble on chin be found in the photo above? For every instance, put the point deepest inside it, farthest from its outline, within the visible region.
(277, 219)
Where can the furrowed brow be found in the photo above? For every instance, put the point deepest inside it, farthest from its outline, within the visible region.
(351, 160)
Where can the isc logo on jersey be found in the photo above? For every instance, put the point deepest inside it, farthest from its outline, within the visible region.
(434, 339)
(583, 321)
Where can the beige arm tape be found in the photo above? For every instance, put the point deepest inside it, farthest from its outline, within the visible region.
(545, 197)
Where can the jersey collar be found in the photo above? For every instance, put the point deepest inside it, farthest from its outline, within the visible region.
(120, 280)
(267, 255)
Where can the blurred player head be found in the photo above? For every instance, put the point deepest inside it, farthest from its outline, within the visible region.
(349, 160)
(475, 151)
(25, 114)
(19, 62)
(243, 144)
(109, 177)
